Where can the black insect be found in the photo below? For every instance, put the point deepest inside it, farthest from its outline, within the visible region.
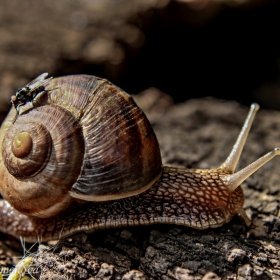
(28, 94)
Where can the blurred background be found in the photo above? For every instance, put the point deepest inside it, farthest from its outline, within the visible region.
(228, 49)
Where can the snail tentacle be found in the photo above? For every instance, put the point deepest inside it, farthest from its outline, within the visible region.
(233, 158)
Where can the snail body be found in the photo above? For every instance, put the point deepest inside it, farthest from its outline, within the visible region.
(85, 140)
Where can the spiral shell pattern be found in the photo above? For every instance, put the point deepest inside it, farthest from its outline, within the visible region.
(27, 149)
(122, 155)
(37, 161)
(86, 140)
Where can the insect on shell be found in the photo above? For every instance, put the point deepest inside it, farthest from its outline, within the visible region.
(26, 96)
(86, 141)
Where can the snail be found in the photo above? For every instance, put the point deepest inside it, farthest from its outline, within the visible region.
(82, 156)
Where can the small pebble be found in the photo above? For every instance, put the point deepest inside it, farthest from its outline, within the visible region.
(211, 276)
(236, 254)
(245, 272)
(134, 275)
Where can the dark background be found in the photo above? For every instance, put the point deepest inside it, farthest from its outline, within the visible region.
(187, 49)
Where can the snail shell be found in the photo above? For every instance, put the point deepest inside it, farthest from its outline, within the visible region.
(84, 140)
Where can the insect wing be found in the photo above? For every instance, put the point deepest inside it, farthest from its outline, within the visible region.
(39, 84)
(41, 77)
(39, 81)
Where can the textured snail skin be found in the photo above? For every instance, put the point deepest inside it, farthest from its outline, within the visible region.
(189, 197)
(84, 157)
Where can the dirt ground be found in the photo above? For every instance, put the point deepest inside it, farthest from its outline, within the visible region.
(223, 47)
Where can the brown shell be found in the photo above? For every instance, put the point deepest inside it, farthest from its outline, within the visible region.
(86, 139)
